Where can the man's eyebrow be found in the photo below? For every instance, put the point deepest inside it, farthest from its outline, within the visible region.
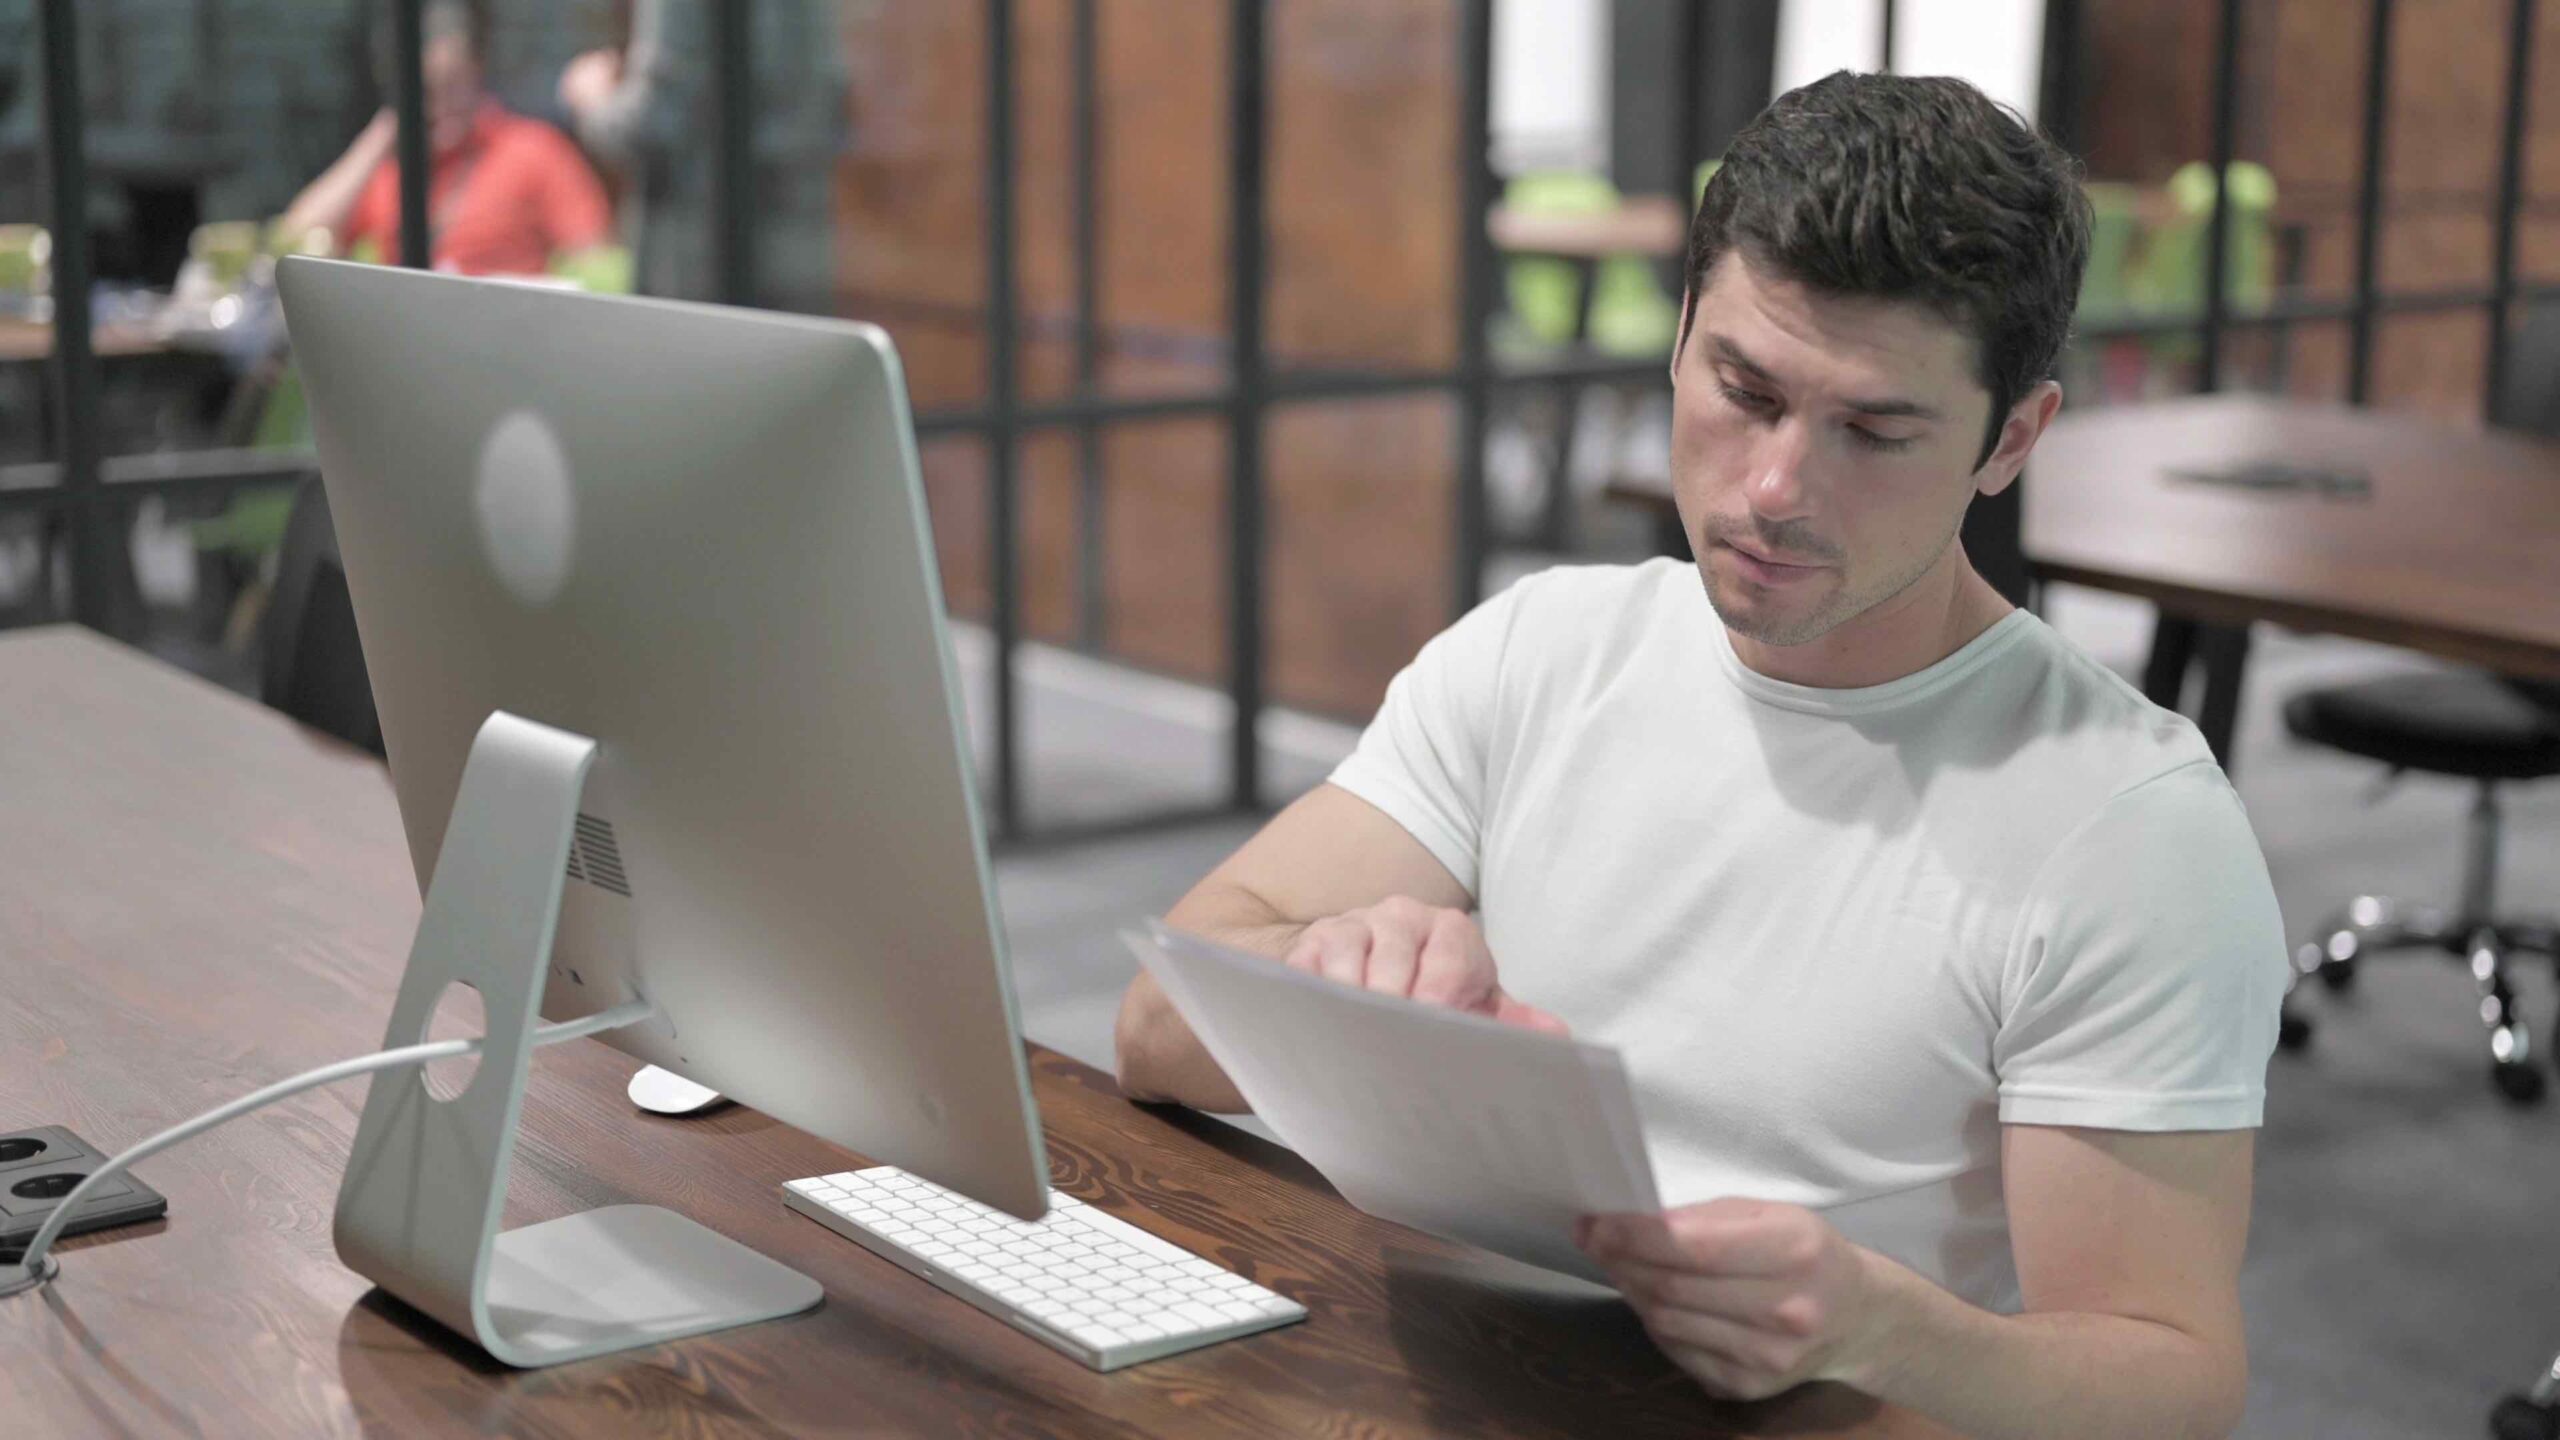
(1732, 354)
(1894, 409)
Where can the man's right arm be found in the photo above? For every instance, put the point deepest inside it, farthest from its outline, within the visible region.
(1328, 854)
(329, 201)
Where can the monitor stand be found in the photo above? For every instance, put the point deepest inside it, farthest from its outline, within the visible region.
(418, 1212)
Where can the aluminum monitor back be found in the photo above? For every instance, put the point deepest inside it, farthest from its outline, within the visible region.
(697, 535)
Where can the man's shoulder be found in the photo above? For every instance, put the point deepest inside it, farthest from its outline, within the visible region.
(2088, 733)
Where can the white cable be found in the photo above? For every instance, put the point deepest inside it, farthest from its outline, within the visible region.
(37, 1267)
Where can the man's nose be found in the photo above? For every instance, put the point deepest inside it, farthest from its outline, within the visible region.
(1778, 489)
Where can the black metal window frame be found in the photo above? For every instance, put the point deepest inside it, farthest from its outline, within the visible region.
(88, 485)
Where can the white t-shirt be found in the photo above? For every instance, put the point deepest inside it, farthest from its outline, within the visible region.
(1841, 936)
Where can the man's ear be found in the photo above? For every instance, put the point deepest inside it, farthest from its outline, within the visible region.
(1680, 342)
(2018, 435)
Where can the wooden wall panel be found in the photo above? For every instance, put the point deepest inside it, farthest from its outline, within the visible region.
(2149, 86)
(908, 189)
(1363, 183)
(1360, 525)
(2434, 364)
(1164, 178)
(955, 493)
(1165, 528)
(2300, 113)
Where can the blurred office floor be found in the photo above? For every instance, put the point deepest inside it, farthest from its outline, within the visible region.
(2402, 1257)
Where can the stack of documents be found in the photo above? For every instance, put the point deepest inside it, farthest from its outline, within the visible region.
(1448, 1122)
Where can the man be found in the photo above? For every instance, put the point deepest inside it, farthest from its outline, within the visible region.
(506, 195)
(1945, 966)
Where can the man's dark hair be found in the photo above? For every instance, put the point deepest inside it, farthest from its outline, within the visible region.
(1909, 188)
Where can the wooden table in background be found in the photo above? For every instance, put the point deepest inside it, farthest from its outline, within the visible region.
(1650, 227)
(2450, 550)
(27, 341)
(1653, 226)
(197, 897)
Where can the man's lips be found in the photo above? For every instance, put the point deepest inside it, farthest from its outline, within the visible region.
(1768, 560)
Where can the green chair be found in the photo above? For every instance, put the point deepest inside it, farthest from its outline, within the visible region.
(2115, 238)
(2113, 366)
(1626, 314)
(26, 258)
(604, 269)
(2169, 275)
(1630, 317)
(226, 249)
(1544, 292)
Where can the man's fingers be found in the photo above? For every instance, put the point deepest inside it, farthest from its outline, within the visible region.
(1738, 1363)
(1395, 954)
(1332, 949)
(1526, 1016)
(1750, 1300)
(1456, 969)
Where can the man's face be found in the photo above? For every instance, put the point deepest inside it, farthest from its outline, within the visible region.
(452, 90)
(1838, 433)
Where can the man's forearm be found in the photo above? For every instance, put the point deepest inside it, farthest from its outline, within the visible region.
(1159, 1057)
(2024, 1377)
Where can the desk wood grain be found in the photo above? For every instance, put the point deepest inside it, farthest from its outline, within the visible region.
(2449, 553)
(197, 897)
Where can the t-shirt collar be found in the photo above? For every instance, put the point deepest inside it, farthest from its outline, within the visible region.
(1864, 699)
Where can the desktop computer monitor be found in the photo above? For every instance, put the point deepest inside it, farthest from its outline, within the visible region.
(698, 536)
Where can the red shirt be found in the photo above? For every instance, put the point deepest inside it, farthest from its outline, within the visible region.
(504, 202)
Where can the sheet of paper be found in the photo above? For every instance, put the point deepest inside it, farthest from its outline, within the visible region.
(1450, 1123)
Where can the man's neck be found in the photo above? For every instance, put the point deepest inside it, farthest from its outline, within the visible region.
(1940, 614)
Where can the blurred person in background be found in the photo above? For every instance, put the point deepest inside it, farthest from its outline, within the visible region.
(644, 108)
(507, 195)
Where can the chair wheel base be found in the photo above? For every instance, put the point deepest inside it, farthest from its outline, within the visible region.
(2522, 1084)
(2518, 1418)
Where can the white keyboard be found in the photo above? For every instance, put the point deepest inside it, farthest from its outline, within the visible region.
(1091, 1284)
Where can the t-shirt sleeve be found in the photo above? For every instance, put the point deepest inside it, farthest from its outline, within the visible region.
(2147, 969)
(1424, 758)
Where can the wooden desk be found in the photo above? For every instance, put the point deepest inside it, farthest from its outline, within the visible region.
(2450, 551)
(197, 897)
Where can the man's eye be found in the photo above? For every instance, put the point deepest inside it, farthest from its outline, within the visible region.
(1751, 400)
(1869, 440)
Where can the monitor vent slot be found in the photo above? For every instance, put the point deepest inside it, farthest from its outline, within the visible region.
(596, 858)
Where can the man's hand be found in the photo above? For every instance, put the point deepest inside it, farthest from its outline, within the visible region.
(1750, 1297)
(588, 82)
(1401, 946)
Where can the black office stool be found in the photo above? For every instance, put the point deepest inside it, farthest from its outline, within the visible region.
(2477, 726)
(2534, 1415)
